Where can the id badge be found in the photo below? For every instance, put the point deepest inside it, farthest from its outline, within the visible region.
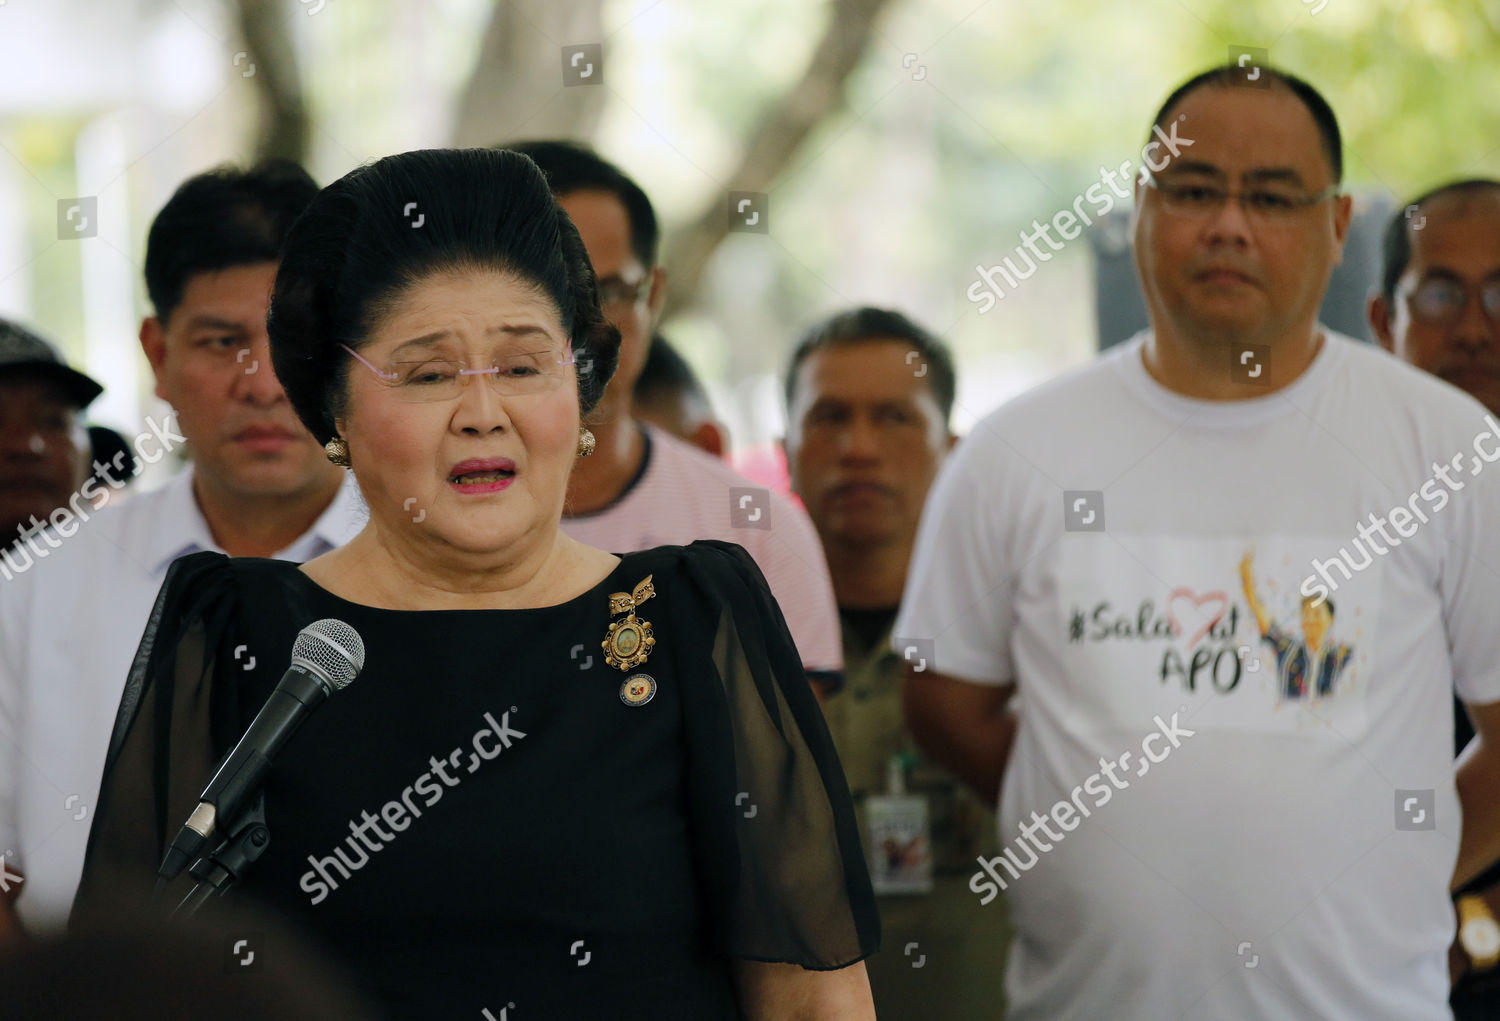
(898, 843)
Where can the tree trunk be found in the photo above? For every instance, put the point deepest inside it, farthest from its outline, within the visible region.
(517, 89)
(777, 136)
(282, 130)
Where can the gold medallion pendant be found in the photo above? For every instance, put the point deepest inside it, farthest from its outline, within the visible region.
(630, 640)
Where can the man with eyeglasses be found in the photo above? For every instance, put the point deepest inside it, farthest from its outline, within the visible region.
(643, 487)
(1438, 307)
(1078, 593)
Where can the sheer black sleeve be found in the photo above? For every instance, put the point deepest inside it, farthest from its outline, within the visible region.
(173, 724)
(776, 837)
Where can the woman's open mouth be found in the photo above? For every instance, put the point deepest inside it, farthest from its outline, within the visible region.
(482, 476)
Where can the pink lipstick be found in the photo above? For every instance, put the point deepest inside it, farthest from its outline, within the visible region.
(482, 475)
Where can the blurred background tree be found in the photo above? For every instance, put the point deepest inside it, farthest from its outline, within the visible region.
(899, 143)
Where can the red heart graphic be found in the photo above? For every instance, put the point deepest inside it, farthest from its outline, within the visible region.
(1197, 601)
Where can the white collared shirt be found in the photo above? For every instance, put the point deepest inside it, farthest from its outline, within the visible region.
(69, 627)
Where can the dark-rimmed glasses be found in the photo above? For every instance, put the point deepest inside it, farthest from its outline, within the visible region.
(1442, 301)
(1268, 202)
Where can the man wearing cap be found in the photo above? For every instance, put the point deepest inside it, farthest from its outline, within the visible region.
(259, 485)
(44, 449)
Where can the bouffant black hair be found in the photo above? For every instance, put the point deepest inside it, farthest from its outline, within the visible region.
(380, 229)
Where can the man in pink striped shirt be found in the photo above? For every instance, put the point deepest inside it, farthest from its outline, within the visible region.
(643, 487)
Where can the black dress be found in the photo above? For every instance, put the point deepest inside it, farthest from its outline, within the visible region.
(532, 833)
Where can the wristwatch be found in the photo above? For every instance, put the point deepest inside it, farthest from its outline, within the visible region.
(1478, 932)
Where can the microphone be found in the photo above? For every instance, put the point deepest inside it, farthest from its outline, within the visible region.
(326, 656)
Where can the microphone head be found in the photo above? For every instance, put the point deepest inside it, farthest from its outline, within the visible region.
(331, 649)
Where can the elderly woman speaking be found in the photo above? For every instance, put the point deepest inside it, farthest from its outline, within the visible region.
(567, 784)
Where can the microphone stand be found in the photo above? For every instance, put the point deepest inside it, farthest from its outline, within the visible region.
(216, 871)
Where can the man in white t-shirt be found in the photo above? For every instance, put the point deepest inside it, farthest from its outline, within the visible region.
(1182, 836)
(643, 487)
(259, 485)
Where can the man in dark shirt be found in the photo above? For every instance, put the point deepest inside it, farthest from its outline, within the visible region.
(868, 398)
(1438, 307)
(669, 395)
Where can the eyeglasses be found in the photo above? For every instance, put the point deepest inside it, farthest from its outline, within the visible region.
(1265, 203)
(619, 295)
(1440, 301)
(511, 374)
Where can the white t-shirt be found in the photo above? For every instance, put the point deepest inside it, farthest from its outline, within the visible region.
(69, 627)
(683, 494)
(1284, 848)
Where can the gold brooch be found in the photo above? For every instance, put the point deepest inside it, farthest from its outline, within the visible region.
(629, 641)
